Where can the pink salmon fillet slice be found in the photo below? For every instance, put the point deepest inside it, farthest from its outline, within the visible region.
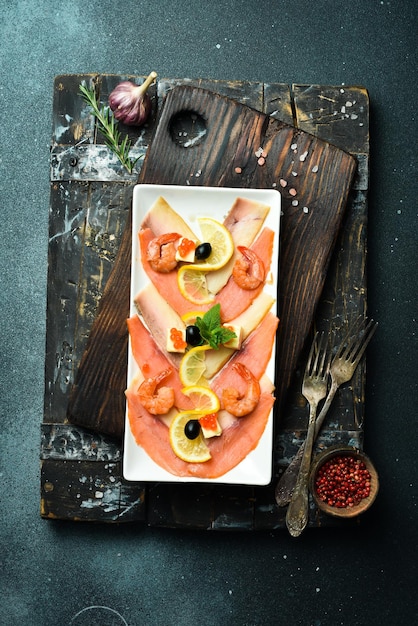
(233, 299)
(236, 441)
(152, 361)
(227, 451)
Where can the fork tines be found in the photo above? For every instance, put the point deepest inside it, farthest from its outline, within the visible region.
(357, 339)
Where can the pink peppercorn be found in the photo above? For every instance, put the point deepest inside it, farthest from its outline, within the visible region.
(343, 481)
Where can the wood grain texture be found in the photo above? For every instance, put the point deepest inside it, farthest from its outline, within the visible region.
(318, 174)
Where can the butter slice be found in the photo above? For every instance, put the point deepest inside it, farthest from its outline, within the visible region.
(236, 342)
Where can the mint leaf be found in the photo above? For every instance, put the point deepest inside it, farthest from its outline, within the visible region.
(211, 329)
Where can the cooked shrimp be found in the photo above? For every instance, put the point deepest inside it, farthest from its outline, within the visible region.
(156, 401)
(242, 404)
(161, 252)
(248, 270)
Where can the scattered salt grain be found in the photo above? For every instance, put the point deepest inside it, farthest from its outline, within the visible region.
(305, 209)
(294, 146)
(261, 161)
(315, 169)
(303, 156)
(259, 152)
(295, 202)
(283, 183)
(293, 191)
(238, 170)
(294, 173)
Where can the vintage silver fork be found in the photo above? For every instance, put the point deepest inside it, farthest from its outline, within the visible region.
(342, 369)
(314, 389)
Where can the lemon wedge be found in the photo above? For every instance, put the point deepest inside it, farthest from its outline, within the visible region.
(192, 366)
(189, 450)
(204, 399)
(221, 242)
(192, 285)
(190, 318)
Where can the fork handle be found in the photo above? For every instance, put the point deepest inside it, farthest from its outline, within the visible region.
(287, 481)
(297, 513)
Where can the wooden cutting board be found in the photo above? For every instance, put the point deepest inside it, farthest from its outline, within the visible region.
(205, 139)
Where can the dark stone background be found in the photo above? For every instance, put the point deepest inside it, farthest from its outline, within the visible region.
(51, 571)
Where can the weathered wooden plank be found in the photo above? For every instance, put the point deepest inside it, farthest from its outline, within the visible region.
(250, 94)
(172, 505)
(68, 442)
(233, 508)
(72, 122)
(65, 250)
(278, 102)
(89, 491)
(339, 115)
(96, 162)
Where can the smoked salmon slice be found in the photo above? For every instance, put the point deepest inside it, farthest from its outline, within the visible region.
(227, 451)
(152, 361)
(233, 299)
(237, 440)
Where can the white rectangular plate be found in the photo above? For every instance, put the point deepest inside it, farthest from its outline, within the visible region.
(191, 203)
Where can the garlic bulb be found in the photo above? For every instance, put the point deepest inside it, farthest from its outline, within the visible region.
(131, 103)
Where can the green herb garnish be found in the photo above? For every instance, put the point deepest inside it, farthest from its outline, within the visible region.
(211, 329)
(107, 125)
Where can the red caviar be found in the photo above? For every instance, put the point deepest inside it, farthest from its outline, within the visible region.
(176, 337)
(343, 481)
(209, 421)
(186, 246)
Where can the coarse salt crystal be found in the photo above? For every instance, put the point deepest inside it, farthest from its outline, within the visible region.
(238, 170)
(283, 183)
(294, 146)
(261, 161)
(305, 209)
(315, 169)
(303, 156)
(293, 191)
(259, 152)
(295, 202)
(294, 173)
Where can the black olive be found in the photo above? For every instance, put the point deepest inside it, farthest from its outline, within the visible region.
(192, 429)
(193, 336)
(203, 251)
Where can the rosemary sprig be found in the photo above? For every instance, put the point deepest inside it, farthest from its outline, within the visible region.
(107, 125)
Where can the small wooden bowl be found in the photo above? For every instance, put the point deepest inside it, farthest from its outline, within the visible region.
(365, 503)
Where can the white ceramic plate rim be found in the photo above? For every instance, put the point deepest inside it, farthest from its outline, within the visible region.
(215, 202)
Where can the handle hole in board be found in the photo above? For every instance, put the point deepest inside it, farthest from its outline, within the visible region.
(187, 129)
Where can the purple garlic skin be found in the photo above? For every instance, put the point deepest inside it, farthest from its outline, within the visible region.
(131, 103)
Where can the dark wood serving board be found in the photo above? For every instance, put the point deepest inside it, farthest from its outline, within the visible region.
(314, 178)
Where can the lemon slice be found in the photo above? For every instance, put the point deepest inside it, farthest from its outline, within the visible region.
(192, 366)
(189, 450)
(190, 318)
(192, 285)
(221, 241)
(204, 399)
